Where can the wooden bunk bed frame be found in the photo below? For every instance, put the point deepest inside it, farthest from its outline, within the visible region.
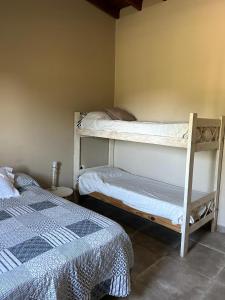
(192, 144)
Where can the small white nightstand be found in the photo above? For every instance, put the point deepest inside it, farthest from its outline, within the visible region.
(61, 191)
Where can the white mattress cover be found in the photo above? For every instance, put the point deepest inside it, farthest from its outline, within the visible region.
(174, 130)
(144, 194)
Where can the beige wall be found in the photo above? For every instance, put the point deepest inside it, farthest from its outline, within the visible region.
(56, 57)
(170, 61)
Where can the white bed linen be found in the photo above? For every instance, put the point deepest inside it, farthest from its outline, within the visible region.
(7, 189)
(144, 194)
(173, 130)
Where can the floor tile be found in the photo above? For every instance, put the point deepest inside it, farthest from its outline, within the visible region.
(174, 280)
(204, 260)
(156, 291)
(161, 234)
(221, 277)
(215, 240)
(143, 259)
(215, 292)
(159, 272)
(141, 292)
(155, 246)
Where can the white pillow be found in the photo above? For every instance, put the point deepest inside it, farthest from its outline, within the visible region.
(7, 189)
(7, 171)
(98, 115)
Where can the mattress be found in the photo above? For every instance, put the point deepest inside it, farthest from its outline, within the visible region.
(172, 130)
(144, 194)
(51, 248)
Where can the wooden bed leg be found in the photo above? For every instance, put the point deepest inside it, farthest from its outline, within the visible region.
(188, 184)
(219, 161)
(184, 243)
(77, 140)
(214, 224)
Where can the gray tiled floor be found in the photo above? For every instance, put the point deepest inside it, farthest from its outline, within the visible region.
(160, 274)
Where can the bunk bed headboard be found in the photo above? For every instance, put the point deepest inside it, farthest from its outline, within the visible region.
(78, 116)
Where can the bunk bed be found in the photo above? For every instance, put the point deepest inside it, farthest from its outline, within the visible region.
(199, 134)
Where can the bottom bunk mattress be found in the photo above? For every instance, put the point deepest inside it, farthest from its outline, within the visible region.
(52, 249)
(141, 193)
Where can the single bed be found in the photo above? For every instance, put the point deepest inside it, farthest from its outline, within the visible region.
(144, 194)
(173, 130)
(163, 133)
(51, 248)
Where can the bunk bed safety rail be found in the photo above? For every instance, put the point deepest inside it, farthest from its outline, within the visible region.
(207, 133)
(208, 205)
(203, 201)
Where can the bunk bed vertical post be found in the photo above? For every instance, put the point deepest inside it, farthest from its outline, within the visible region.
(111, 153)
(219, 161)
(188, 184)
(77, 140)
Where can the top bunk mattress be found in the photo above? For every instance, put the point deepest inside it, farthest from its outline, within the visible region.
(141, 193)
(170, 130)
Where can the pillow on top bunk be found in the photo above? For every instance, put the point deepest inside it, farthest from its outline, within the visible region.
(117, 113)
(97, 115)
(7, 189)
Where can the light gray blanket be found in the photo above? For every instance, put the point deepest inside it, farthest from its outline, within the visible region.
(51, 248)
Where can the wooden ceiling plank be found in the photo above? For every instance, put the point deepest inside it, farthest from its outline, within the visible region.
(120, 3)
(136, 4)
(113, 7)
(107, 6)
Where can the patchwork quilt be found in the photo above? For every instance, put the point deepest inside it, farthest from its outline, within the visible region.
(51, 248)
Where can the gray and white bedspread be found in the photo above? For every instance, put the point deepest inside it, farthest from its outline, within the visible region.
(51, 249)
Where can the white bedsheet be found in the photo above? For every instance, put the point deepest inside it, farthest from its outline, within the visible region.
(173, 130)
(144, 194)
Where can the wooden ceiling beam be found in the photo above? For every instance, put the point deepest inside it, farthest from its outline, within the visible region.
(107, 7)
(113, 7)
(136, 3)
